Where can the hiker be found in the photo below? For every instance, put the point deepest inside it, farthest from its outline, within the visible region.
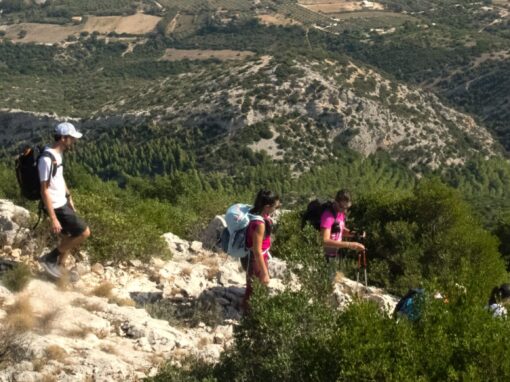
(333, 229)
(58, 203)
(258, 240)
(499, 299)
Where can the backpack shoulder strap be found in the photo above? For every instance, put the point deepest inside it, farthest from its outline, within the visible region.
(54, 166)
(255, 218)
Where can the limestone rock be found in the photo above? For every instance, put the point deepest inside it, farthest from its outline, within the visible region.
(177, 246)
(211, 235)
(196, 246)
(14, 221)
(98, 269)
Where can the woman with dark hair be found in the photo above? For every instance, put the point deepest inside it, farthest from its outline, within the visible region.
(333, 229)
(258, 240)
(500, 296)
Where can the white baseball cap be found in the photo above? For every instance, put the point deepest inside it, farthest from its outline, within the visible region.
(67, 129)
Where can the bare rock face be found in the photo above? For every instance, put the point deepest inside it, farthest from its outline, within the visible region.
(13, 223)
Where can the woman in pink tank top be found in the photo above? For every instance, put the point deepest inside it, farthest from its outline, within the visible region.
(258, 240)
(333, 229)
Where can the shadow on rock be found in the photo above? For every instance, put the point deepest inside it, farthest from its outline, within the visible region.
(213, 307)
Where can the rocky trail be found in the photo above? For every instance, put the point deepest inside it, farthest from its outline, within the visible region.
(122, 322)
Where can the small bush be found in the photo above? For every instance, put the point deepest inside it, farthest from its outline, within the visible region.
(103, 290)
(56, 353)
(20, 315)
(12, 344)
(17, 278)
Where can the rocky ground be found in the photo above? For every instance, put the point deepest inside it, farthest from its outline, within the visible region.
(121, 322)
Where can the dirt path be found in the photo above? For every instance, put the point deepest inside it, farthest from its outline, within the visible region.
(172, 25)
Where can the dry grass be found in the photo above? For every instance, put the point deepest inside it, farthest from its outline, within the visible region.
(64, 283)
(45, 322)
(90, 306)
(12, 345)
(179, 354)
(79, 332)
(121, 301)
(211, 261)
(103, 290)
(339, 277)
(156, 359)
(48, 378)
(175, 291)
(110, 349)
(56, 353)
(186, 272)
(20, 315)
(203, 342)
(211, 273)
(39, 364)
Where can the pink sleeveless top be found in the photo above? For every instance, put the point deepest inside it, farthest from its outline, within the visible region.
(266, 242)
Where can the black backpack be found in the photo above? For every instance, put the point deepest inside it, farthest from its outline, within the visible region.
(27, 172)
(314, 211)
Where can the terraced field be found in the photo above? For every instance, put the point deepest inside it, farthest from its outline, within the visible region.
(205, 54)
(138, 24)
(335, 6)
(204, 5)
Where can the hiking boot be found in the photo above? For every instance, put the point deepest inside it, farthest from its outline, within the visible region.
(51, 267)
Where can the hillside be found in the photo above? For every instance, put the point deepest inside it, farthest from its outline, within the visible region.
(297, 110)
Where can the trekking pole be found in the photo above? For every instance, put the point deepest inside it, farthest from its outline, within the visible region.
(359, 266)
(365, 267)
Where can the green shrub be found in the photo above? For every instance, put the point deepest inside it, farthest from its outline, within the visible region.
(17, 278)
(429, 235)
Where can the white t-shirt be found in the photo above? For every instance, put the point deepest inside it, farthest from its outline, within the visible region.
(497, 310)
(57, 186)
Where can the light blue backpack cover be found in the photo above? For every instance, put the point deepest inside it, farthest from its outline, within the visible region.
(233, 238)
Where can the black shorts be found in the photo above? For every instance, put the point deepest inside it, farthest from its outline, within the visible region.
(71, 223)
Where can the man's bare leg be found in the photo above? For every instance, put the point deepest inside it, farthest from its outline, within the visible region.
(68, 243)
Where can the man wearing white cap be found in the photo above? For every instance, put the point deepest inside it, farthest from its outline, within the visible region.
(58, 202)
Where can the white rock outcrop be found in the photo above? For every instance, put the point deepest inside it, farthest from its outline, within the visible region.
(13, 223)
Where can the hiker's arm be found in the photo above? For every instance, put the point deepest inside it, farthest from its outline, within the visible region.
(46, 198)
(329, 243)
(258, 237)
(70, 199)
(348, 233)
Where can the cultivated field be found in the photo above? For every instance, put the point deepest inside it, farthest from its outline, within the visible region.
(277, 20)
(38, 33)
(206, 54)
(137, 24)
(335, 6)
